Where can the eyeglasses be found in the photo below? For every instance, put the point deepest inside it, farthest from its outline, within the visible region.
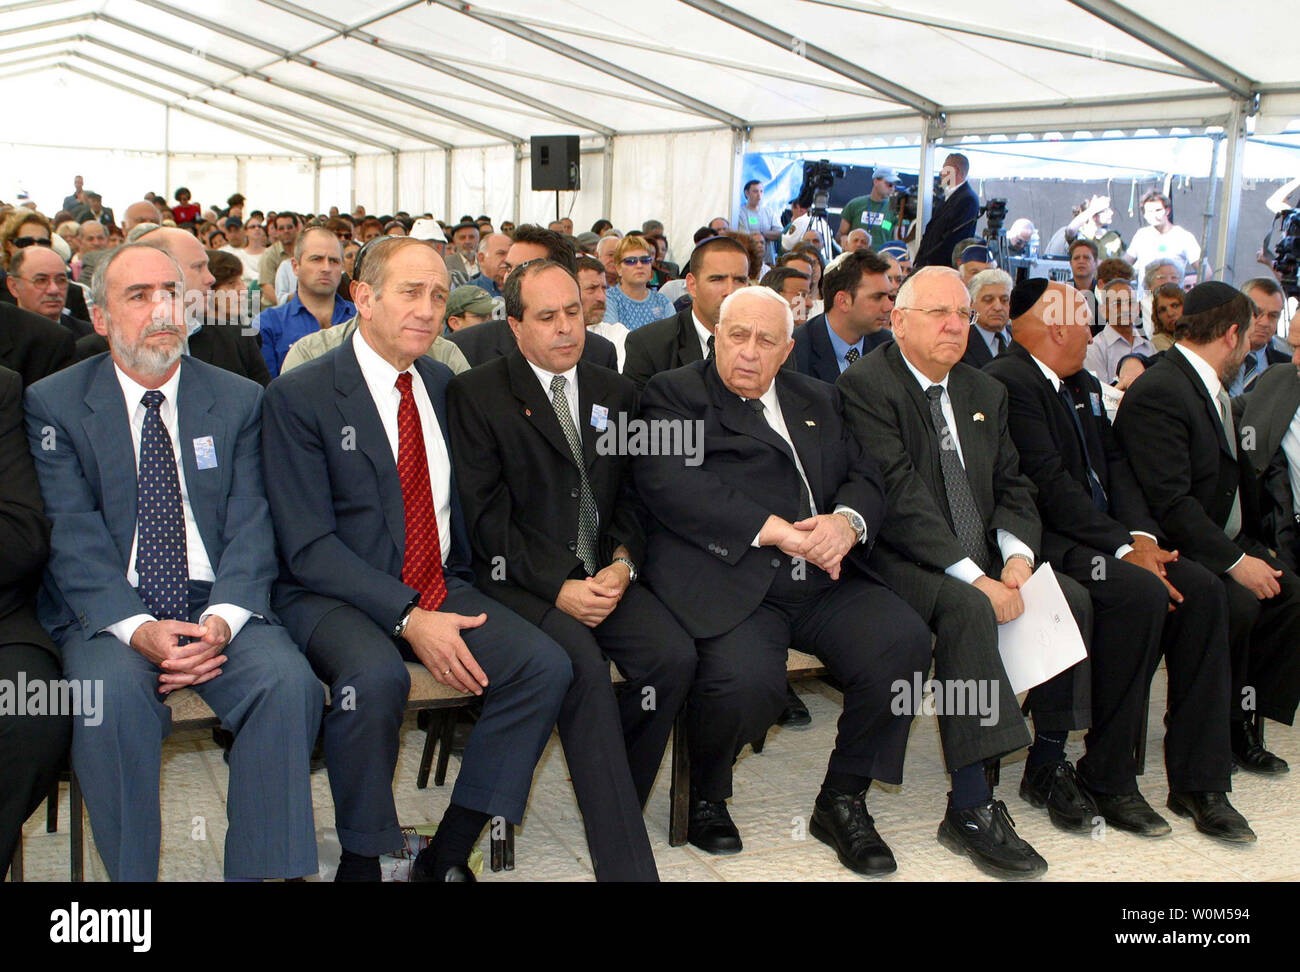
(43, 279)
(645, 261)
(26, 241)
(345, 237)
(941, 314)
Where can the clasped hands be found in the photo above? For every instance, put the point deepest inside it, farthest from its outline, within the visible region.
(821, 540)
(187, 665)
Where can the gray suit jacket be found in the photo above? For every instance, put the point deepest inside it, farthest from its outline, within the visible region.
(886, 409)
(1263, 416)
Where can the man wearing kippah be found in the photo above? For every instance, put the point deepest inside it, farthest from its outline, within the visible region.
(1177, 425)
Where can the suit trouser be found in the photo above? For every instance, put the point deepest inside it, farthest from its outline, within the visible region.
(266, 695)
(31, 747)
(1264, 641)
(613, 745)
(868, 638)
(966, 647)
(1132, 626)
(528, 675)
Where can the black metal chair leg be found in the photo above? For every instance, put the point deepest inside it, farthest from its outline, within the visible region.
(78, 846)
(16, 862)
(430, 725)
(679, 796)
(52, 809)
(447, 732)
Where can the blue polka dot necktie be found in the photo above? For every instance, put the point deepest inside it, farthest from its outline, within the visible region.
(161, 562)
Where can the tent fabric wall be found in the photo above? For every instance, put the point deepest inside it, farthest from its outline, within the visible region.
(482, 182)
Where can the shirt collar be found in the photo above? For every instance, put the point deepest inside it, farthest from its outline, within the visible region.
(1048, 373)
(839, 345)
(769, 400)
(921, 380)
(1204, 370)
(544, 376)
(377, 372)
(702, 332)
(133, 391)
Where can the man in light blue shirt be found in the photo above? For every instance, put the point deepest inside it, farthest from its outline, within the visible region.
(318, 263)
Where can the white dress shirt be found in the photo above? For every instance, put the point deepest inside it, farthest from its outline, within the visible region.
(1291, 446)
(616, 334)
(1008, 543)
(196, 555)
(1124, 549)
(703, 333)
(1210, 379)
(570, 393)
(381, 379)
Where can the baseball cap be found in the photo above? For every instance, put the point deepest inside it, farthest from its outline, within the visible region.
(471, 299)
(886, 173)
(428, 230)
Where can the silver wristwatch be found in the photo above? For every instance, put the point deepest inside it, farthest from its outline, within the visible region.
(855, 521)
(631, 567)
(399, 630)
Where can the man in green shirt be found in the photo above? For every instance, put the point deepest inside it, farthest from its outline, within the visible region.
(871, 212)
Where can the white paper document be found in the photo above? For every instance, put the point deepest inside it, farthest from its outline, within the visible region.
(1044, 641)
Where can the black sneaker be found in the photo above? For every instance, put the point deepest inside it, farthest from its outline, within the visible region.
(987, 835)
(1055, 786)
(842, 821)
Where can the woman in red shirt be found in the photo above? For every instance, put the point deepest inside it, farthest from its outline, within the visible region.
(185, 213)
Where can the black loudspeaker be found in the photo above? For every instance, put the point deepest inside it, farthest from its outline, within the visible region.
(555, 163)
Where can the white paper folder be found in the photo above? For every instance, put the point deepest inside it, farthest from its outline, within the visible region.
(1044, 641)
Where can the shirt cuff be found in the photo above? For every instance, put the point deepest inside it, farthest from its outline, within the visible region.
(1140, 533)
(1008, 544)
(1124, 551)
(841, 508)
(965, 570)
(234, 616)
(124, 630)
(1236, 562)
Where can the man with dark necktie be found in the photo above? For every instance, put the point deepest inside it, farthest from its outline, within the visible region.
(960, 540)
(375, 571)
(1147, 601)
(1177, 425)
(859, 297)
(990, 295)
(750, 545)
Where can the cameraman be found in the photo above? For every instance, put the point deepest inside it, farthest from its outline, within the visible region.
(871, 212)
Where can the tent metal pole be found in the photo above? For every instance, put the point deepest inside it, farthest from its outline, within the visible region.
(315, 187)
(519, 175)
(446, 184)
(167, 148)
(1229, 205)
(353, 203)
(930, 132)
(397, 174)
(607, 180)
(739, 146)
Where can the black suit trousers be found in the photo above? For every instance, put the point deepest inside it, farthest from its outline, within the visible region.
(615, 741)
(32, 747)
(1132, 626)
(1264, 641)
(868, 639)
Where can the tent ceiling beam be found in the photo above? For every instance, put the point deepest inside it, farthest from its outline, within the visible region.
(1168, 44)
(342, 76)
(790, 42)
(1011, 37)
(509, 26)
(429, 61)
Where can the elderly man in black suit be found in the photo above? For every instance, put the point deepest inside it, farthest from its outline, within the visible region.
(749, 545)
(555, 528)
(859, 297)
(718, 266)
(33, 345)
(990, 335)
(1177, 425)
(31, 745)
(1146, 600)
(495, 339)
(954, 219)
(961, 538)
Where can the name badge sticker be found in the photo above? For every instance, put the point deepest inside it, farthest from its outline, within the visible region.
(205, 452)
(1096, 403)
(599, 417)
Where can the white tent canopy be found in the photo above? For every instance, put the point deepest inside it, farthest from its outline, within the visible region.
(429, 104)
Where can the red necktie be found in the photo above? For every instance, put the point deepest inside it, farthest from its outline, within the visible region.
(422, 564)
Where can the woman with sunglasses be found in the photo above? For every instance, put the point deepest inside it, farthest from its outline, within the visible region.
(631, 302)
(24, 227)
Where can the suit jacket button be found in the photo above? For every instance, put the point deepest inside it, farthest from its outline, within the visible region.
(722, 552)
(573, 544)
(776, 561)
(573, 493)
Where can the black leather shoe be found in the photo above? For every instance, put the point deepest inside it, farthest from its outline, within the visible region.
(842, 821)
(424, 872)
(1055, 786)
(795, 714)
(1131, 812)
(710, 828)
(1214, 816)
(987, 835)
(1248, 750)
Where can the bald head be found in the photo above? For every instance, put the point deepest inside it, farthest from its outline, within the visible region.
(139, 212)
(1055, 329)
(186, 250)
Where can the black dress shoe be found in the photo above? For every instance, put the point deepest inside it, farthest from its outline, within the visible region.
(424, 871)
(1056, 786)
(354, 868)
(988, 836)
(1214, 816)
(842, 821)
(1131, 812)
(710, 828)
(1248, 750)
(795, 714)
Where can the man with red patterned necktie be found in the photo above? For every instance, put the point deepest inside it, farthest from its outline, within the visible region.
(376, 571)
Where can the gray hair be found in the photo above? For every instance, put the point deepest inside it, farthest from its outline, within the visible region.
(139, 230)
(1149, 273)
(99, 285)
(765, 294)
(989, 278)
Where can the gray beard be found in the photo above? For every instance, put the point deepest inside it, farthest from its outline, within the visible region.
(145, 360)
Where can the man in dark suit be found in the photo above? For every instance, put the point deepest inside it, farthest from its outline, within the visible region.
(961, 538)
(31, 746)
(859, 296)
(38, 282)
(218, 342)
(1177, 426)
(494, 339)
(375, 570)
(718, 266)
(990, 335)
(747, 546)
(1269, 300)
(33, 345)
(954, 218)
(559, 511)
(1098, 530)
(1271, 438)
(161, 563)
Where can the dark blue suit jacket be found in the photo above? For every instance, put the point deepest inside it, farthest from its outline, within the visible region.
(815, 356)
(80, 437)
(336, 498)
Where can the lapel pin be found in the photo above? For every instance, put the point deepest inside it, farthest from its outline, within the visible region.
(978, 417)
(528, 412)
(810, 422)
